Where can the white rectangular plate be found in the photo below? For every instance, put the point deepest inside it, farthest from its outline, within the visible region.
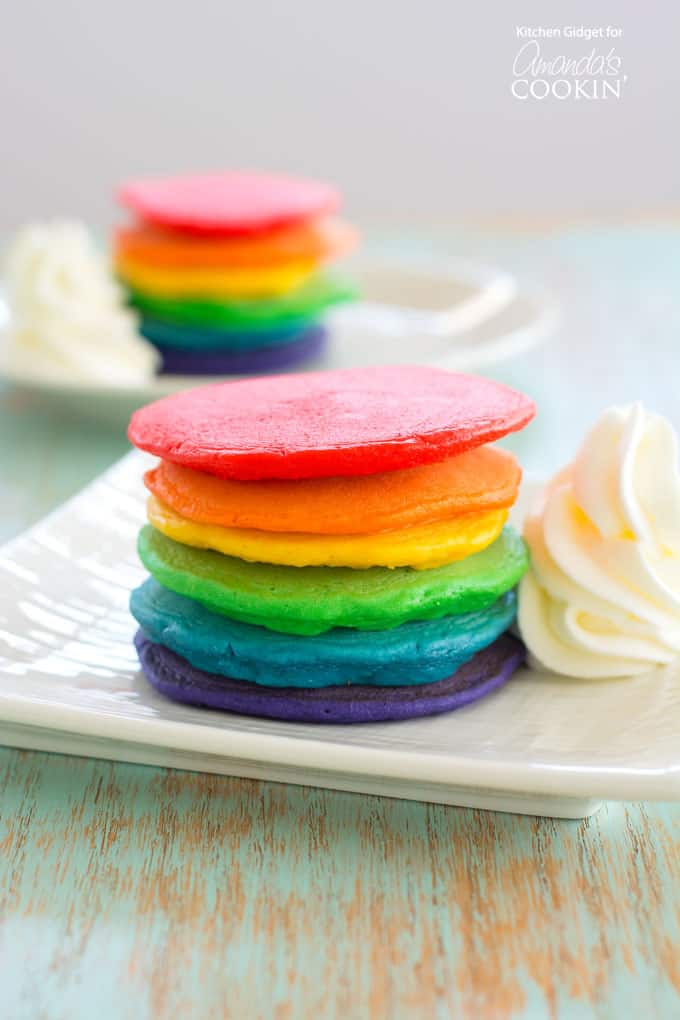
(69, 683)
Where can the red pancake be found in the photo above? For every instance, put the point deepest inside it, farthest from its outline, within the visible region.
(227, 203)
(313, 425)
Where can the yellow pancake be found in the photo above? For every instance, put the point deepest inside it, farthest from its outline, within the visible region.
(215, 284)
(421, 547)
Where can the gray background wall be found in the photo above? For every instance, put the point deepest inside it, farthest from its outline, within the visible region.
(406, 105)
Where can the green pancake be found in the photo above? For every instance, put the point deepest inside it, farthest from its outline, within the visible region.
(311, 600)
(302, 304)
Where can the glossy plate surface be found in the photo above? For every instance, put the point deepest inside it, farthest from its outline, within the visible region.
(69, 682)
(446, 312)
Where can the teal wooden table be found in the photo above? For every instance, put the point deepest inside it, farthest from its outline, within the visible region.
(131, 892)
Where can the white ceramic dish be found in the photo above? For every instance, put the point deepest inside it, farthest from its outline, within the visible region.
(449, 312)
(69, 682)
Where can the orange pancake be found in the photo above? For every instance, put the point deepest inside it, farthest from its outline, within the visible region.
(478, 480)
(315, 240)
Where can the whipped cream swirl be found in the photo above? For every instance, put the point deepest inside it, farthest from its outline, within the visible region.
(602, 596)
(68, 322)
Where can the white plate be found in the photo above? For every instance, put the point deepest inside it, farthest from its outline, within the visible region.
(69, 682)
(448, 312)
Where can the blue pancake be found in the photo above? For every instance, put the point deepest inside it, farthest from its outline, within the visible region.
(418, 652)
(175, 678)
(196, 338)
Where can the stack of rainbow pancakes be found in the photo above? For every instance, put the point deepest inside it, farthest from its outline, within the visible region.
(331, 547)
(225, 268)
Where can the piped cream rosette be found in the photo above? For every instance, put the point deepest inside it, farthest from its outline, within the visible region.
(602, 597)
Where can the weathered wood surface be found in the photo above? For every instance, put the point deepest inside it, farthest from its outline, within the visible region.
(131, 892)
(137, 892)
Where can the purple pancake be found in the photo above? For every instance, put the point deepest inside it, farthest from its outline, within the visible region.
(174, 677)
(256, 359)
